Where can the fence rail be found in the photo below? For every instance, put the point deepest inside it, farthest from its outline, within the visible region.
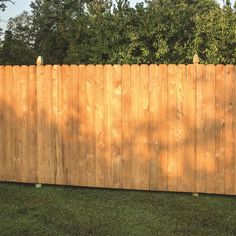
(150, 127)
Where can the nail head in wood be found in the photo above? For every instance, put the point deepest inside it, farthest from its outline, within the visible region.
(39, 61)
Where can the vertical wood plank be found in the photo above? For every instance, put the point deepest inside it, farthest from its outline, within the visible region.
(40, 118)
(200, 126)
(67, 125)
(220, 128)
(126, 136)
(82, 118)
(209, 94)
(116, 126)
(91, 158)
(135, 165)
(99, 126)
(57, 127)
(8, 120)
(23, 129)
(72, 124)
(229, 161)
(172, 131)
(107, 126)
(48, 162)
(32, 125)
(163, 127)
(234, 129)
(181, 127)
(16, 125)
(191, 126)
(64, 90)
(2, 124)
(153, 126)
(144, 154)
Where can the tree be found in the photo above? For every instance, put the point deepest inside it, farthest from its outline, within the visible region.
(52, 23)
(3, 4)
(215, 35)
(18, 43)
(97, 31)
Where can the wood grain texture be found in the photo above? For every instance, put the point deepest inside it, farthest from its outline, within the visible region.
(134, 128)
(22, 129)
(154, 168)
(82, 123)
(220, 128)
(163, 127)
(181, 127)
(99, 126)
(210, 126)
(172, 129)
(144, 127)
(108, 168)
(144, 130)
(200, 129)
(229, 166)
(2, 124)
(116, 126)
(191, 124)
(126, 140)
(32, 125)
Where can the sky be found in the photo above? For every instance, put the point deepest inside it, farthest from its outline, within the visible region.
(21, 5)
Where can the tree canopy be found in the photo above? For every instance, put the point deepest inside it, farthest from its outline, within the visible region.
(102, 31)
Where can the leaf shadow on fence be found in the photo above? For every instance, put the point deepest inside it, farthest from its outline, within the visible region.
(47, 151)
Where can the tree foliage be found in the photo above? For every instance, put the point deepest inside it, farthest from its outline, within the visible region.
(101, 31)
(3, 4)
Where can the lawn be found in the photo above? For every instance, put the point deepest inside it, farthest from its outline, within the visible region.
(51, 210)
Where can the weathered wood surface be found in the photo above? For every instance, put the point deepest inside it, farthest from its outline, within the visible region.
(150, 127)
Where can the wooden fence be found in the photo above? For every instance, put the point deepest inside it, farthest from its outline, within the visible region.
(150, 127)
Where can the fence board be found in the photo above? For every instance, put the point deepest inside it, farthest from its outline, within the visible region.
(22, 129)
(10, 123)
(32, 125)
(116, 126)
(191, 124)
(99, 126)
(172, 129)
(210, 124)
(91, 158)
(229, 170)
(144, 126)
(152, 127)
(126, 140)
(220, 128)
(2, 124)
(135, 169)
(107, 126)
(163, 127)
(82, 120)
(48, 159)
(181, 127)
(200, 128)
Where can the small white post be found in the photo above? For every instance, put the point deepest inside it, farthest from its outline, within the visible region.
(196, 59)
(38, 185)
(39, 61)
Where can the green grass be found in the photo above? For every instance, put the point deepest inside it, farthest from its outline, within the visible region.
(25, 210)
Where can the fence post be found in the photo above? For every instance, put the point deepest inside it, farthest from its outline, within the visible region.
(39, 62)
(195, 62)
(196, 59)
